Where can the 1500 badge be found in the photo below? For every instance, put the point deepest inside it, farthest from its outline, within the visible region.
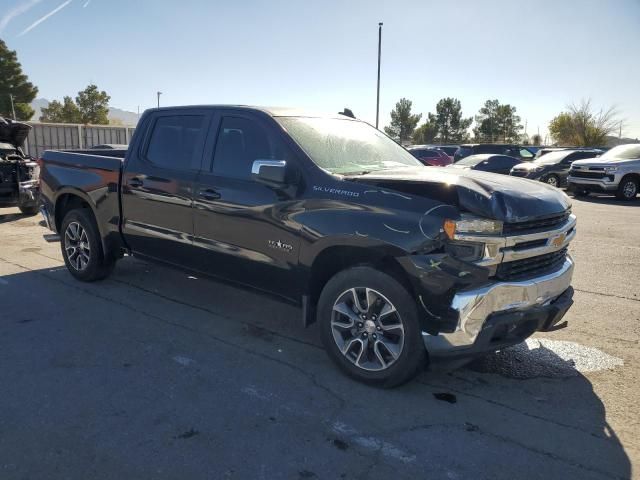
(278, 245)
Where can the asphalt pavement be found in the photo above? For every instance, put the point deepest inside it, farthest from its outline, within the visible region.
(156, 373)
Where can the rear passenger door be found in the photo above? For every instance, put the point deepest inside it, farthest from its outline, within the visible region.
(243, 228)
(157, 185)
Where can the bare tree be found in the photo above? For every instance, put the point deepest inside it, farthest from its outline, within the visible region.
(581, 126)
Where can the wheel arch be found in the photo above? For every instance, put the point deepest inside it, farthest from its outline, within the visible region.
(336, 258)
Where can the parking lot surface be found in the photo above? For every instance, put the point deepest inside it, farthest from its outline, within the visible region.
(154, 373)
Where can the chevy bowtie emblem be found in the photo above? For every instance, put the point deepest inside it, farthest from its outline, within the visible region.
(558, 241)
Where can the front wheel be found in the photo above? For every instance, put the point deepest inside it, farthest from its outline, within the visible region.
(628, 189)
(28, 210)
(369, 326)
(82, 247)
(552, 180)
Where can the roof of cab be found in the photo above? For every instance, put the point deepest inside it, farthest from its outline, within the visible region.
(271, 111)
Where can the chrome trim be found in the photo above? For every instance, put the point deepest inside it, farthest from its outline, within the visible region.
(258, 164)
(498, 249)
(475, 306)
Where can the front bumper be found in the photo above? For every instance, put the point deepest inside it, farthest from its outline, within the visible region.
(504, 313)
(607, 184)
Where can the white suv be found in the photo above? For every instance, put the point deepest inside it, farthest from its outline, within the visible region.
(616, 172)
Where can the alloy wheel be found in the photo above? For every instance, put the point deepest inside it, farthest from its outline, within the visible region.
(76, 246)
(629, 189)
(552, 180)
(367, 329)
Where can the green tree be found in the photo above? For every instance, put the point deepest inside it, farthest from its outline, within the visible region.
(15, 83)
(93, 105)
(536, 139)
(497, 122)
(403, 123)
(66, 112)
(452, 128)
(427, 132)
(581, 126)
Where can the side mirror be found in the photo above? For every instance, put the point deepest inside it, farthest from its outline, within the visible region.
(270, 171)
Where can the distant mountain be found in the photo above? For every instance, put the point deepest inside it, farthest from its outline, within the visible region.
(122, 117)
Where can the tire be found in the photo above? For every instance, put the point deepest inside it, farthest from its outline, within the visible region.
(81, 247)
(28, 210)
(552, 180)
(627, 189)
(366, 356)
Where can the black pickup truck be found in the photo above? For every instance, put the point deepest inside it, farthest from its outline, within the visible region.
(401, 265)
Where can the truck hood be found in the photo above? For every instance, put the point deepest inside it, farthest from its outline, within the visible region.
(598, 162)
(499, 197)
(14, 133)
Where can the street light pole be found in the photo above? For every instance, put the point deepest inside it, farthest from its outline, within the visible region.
(13, 110)
(159, 93)
(379, 55)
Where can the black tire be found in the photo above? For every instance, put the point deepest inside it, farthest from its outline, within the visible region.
(28, 210)
(627, 189)
(412, 357)
(553, 180)
(98, 266)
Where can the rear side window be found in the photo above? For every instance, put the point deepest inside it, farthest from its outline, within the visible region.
(489, 149)
(241, 141)
(174, 140)
(464, 151)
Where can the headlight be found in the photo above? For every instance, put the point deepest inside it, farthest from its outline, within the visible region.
(481, 226)
(610, 169)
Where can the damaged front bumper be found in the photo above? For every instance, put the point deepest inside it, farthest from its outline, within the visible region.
(503, 313)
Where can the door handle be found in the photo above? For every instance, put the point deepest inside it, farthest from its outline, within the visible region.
(135, 182)
(209, 194)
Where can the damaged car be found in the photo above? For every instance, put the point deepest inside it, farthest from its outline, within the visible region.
(18, 171)
(401, 266)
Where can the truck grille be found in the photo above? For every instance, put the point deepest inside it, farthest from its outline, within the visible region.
(532, 267)
(547, 223)
(587, 174)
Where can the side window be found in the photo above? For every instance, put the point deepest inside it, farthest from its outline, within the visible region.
(173, 141)
(502, 162)
(240, 142)
(524, 153)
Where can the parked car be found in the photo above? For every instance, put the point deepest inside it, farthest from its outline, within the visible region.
(448, 149)
(495, 148)
(552, 168)
(396, 262)
(488, 163)
(430, 156)
(18, 171)
(617, 171)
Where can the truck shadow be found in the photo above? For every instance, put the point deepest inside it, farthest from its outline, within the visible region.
(511, 415)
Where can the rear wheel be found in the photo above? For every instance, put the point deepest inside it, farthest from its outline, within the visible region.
(82, 247)
(628, 189)
(369, 326)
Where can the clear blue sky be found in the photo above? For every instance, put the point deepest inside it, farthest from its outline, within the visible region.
(538, 56)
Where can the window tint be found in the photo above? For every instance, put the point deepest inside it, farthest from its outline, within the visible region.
(240, 142)
(489, 149)
(174, 140)
(500, 162)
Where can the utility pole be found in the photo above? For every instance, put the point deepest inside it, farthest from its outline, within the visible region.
(159, 93)
(13, 110)
(379, 56)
